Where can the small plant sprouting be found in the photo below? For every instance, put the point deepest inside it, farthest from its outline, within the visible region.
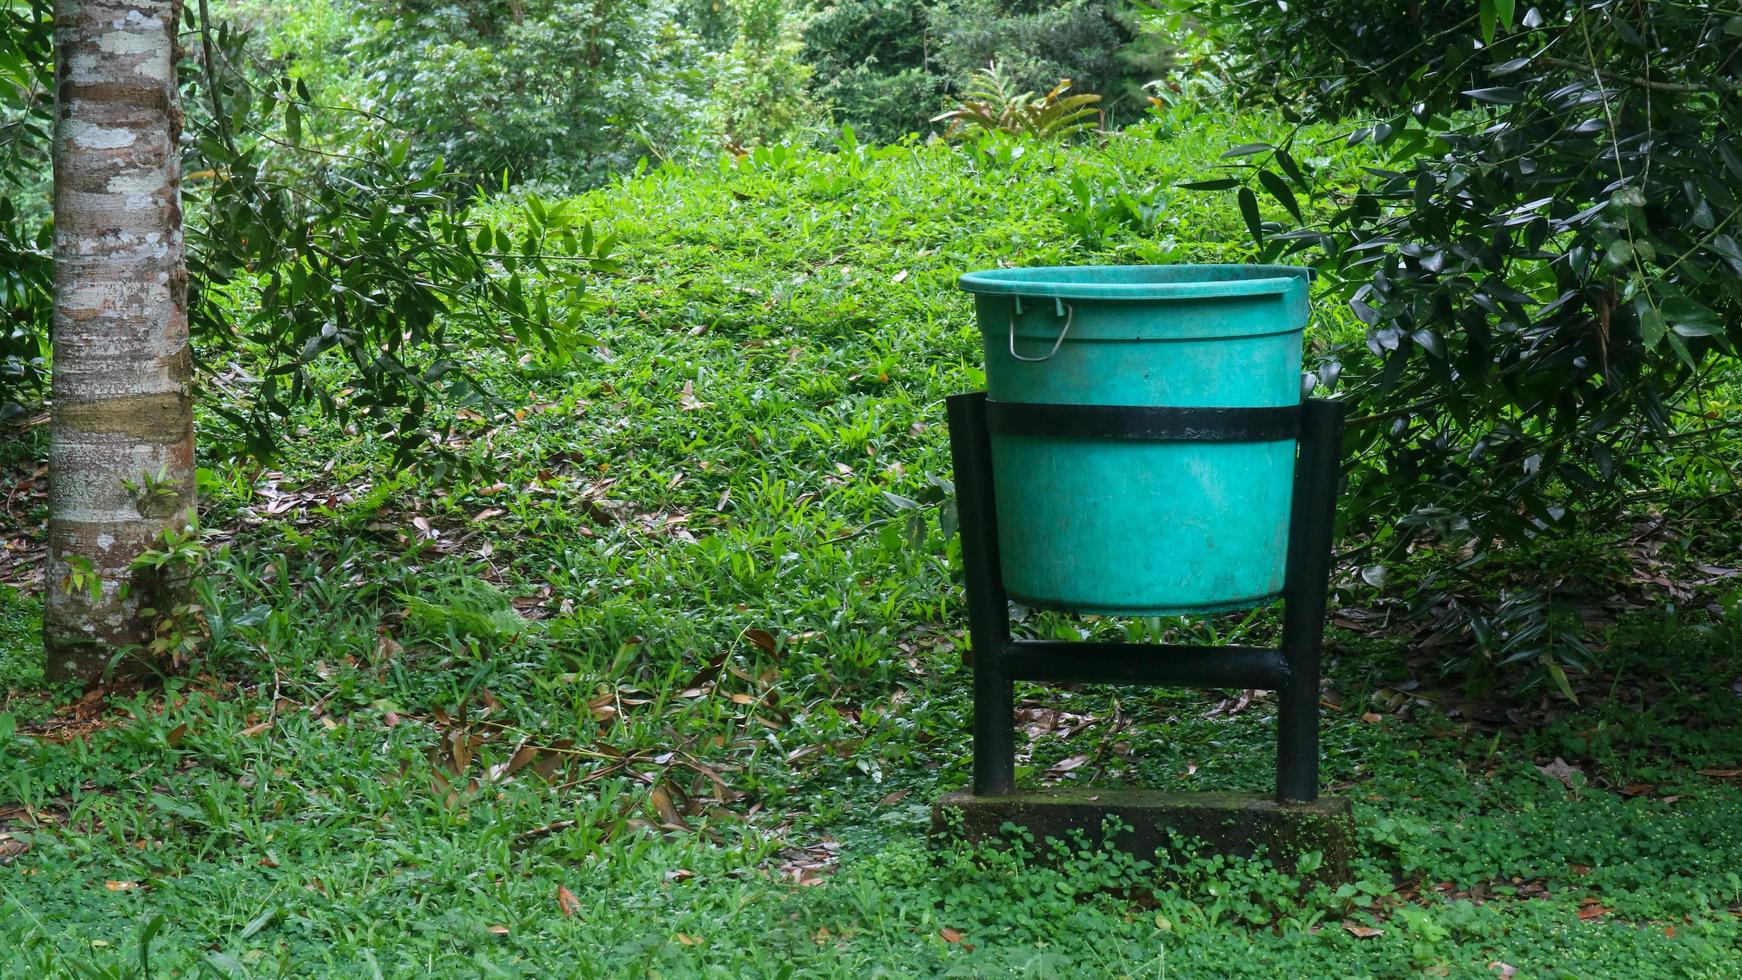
(177, 549)
(82, 577)
(174, 563)
(150, 487)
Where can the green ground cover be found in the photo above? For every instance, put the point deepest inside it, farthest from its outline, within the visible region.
(669, 691)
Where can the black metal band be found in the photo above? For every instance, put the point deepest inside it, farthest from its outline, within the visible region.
(1153, 423)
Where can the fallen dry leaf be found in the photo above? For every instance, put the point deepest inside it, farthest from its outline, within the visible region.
(11, 848)
(1229, 707)
(950, 935)
(687, 399)
(1720, 773)
(1589, 912)
(460, 751)
(1362, 932)
(761, 638)
(663, 805)
(498, 930)
(121, 886)
(1559, 770)
(567, 901)
(686, 939)
(807, 866)
(1063, 766)
(1504, 969)
(521, 758)
(894, 798)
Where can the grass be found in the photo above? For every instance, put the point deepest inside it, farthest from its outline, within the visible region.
(671, 691)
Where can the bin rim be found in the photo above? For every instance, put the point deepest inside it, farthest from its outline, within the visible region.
(1138, 282)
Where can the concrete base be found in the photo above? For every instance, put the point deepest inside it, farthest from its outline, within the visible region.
(1239, 824)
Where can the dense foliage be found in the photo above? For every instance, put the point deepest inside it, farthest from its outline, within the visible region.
(885, 66)
(576, 90)
(351, 277)
(26, 246)
(872, 63)
(757, 92)
(1545, 258)
(370, 125)
(337, 273)
(572, 90)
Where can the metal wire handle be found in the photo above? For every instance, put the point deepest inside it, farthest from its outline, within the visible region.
(1064, 309)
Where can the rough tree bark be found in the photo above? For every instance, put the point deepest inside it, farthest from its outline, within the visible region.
(121, 466)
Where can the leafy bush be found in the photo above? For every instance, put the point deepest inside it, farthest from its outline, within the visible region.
(1545, 262)
(886, 66)
(758, 92)
(1039, 42)
(346, 277)
(352, 280)
(1544, 257)
(991, 104)
(572, 90)
(26, 242)
(871, 62)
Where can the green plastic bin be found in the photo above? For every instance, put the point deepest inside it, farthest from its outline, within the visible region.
(1123, 527)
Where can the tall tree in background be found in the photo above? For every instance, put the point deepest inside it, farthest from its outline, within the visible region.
(121, 464)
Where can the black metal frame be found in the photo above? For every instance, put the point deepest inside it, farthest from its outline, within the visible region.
(1292, 670)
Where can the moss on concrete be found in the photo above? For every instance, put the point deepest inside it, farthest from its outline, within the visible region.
(1239, 824)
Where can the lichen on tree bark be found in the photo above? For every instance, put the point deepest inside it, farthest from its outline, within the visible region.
(122, 405)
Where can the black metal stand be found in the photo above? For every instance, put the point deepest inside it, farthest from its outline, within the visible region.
(1292, 670)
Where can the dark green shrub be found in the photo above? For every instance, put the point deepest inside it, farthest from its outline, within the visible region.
(1037, 43)
(571, 90)
(888, 66)
(347, 279)
(1545, 258)
(352, 279)
(871, 62)
(1546, 263)
(26, 246)
(758, 80)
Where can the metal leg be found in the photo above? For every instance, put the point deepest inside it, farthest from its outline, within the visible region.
(1295, 667)
(1303, 625)
(988, 605)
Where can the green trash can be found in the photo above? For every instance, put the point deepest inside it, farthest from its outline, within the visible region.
(1127, 526)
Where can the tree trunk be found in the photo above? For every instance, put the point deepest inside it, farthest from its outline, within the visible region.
(121, 465)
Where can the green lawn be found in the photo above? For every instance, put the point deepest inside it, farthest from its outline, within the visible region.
(670, 691)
